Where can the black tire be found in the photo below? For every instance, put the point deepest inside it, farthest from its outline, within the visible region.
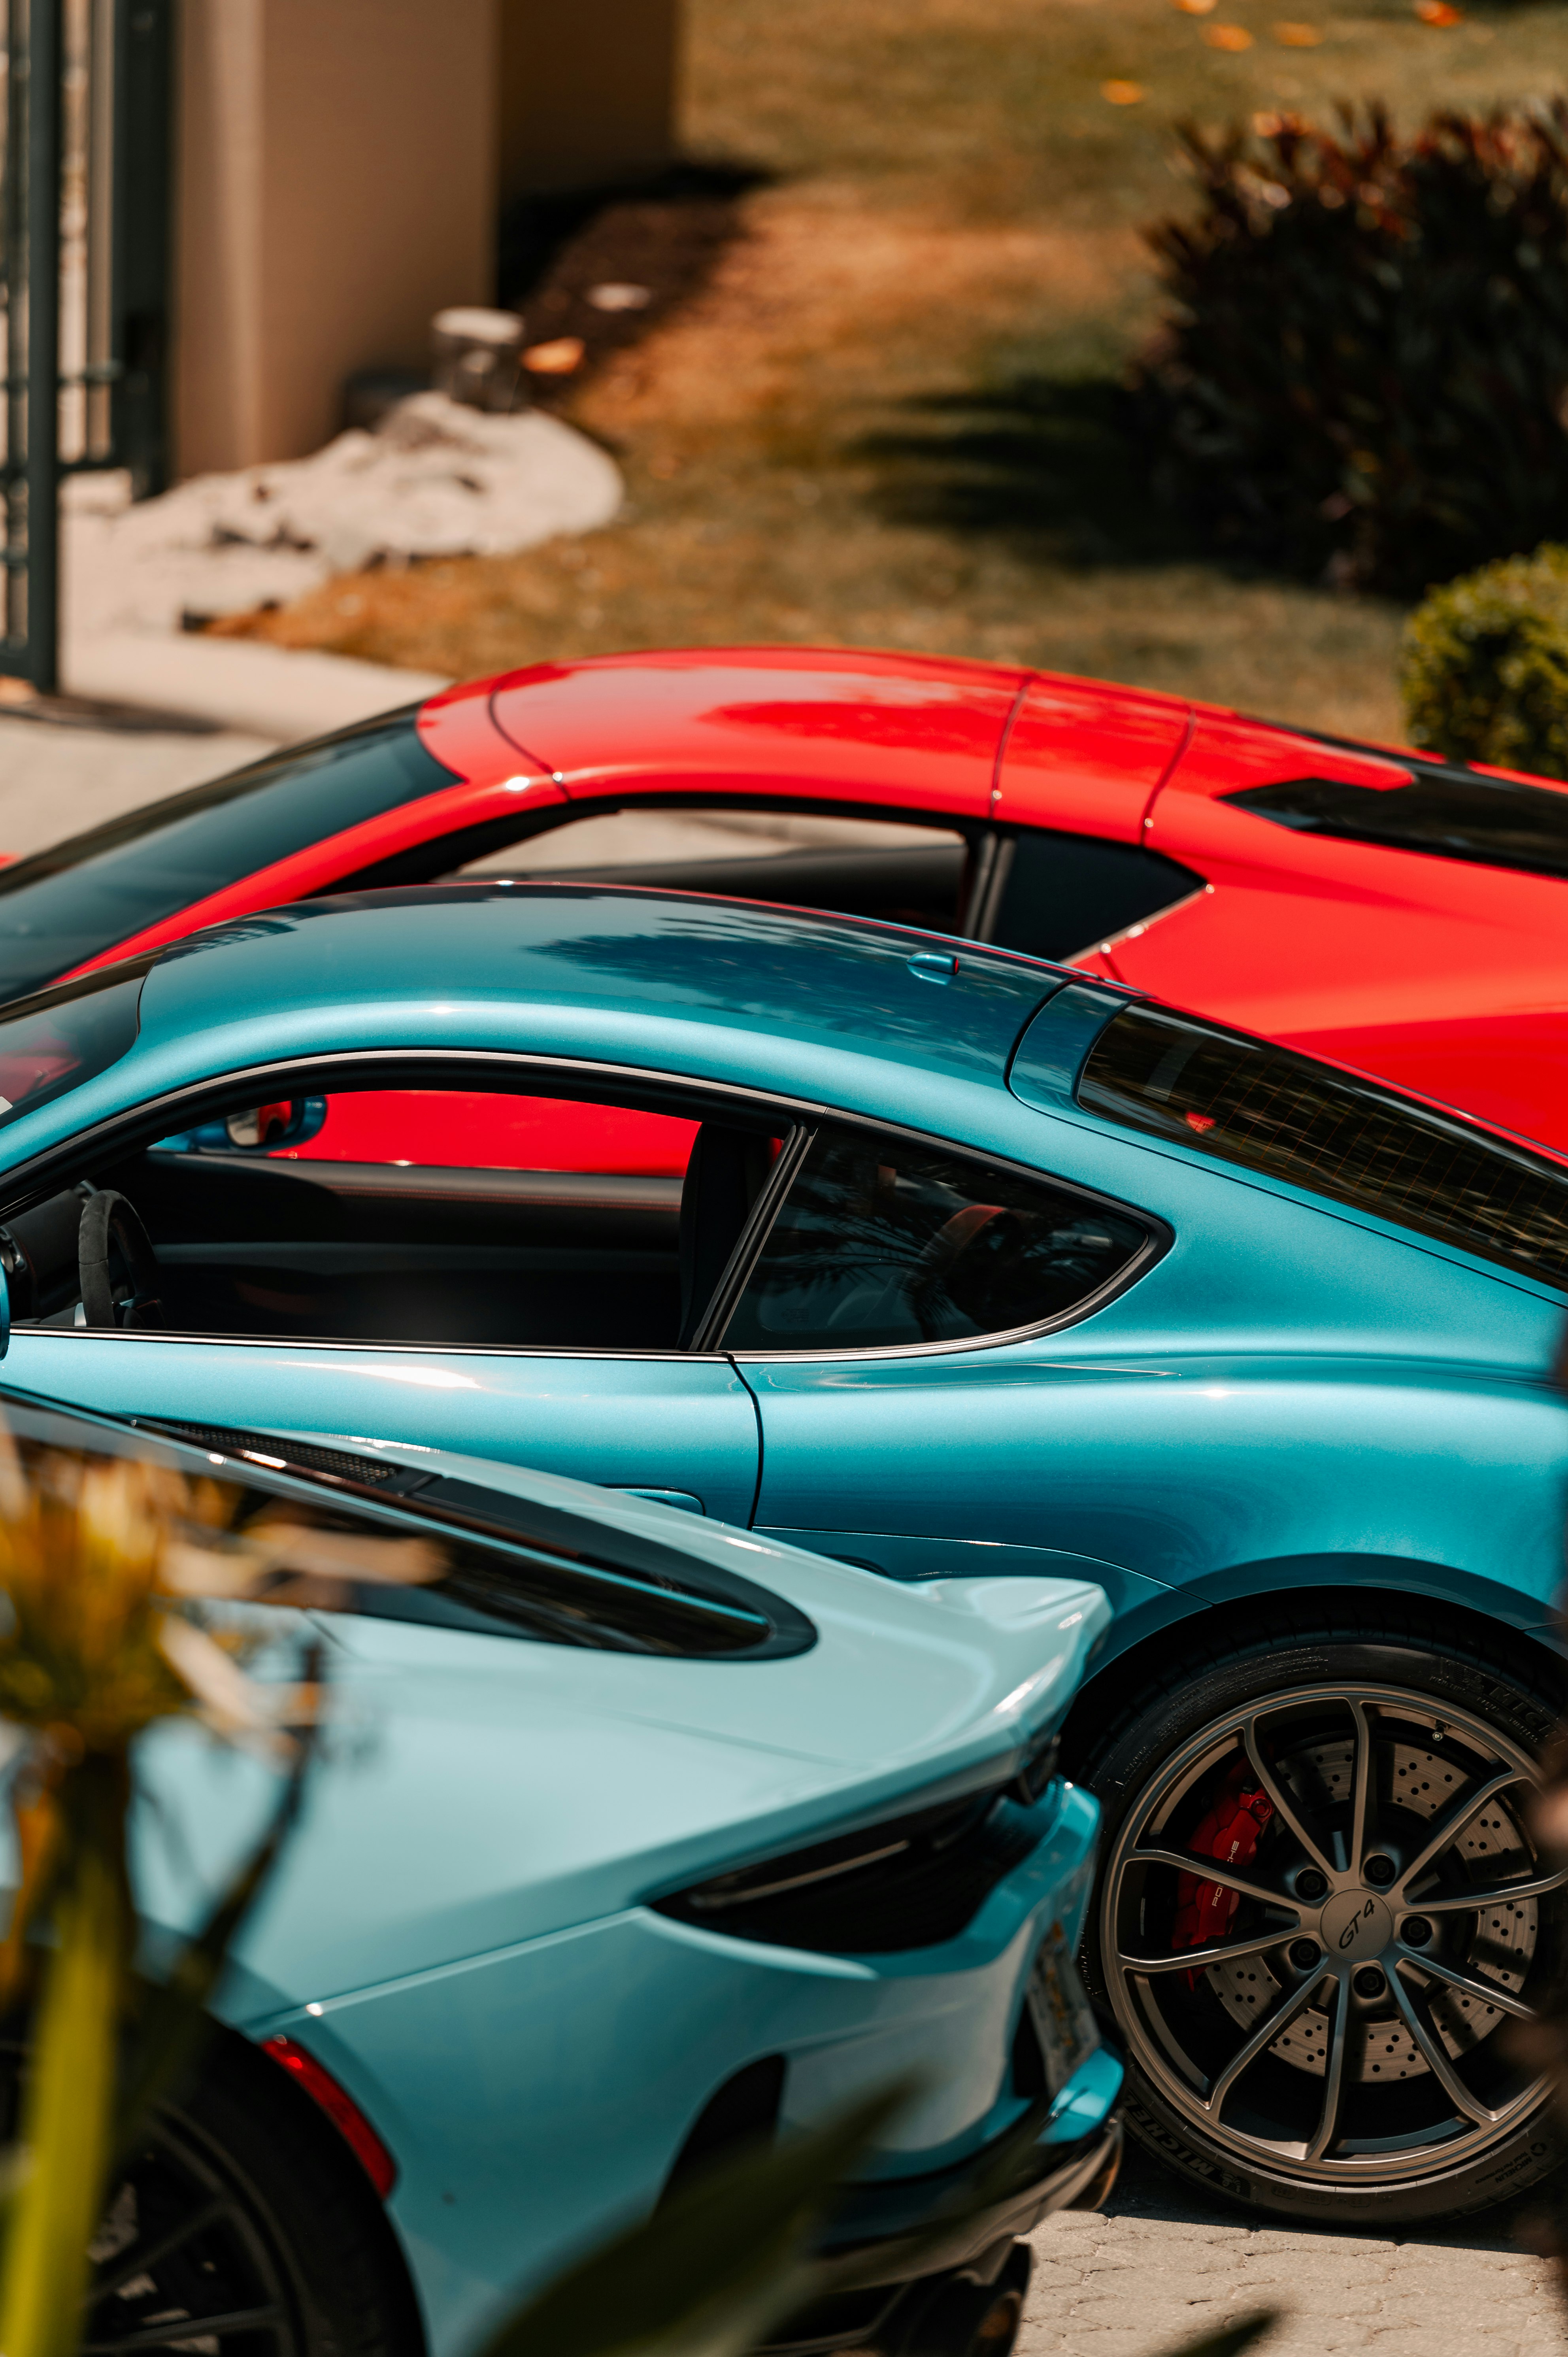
(294, 2237)
(1316, 1702)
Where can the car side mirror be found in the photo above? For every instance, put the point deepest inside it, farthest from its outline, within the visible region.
(5, 1310)
(259, 1129)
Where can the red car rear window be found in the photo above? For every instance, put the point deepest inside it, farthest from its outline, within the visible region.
(1447, 813)
(80, 897)
(1271, 1110)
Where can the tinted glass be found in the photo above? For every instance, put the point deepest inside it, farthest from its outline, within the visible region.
(1062, 893)
(81, 897)
(55, 1041)
(879, 1243)
(869, 868)
(1273, 1111)
(1450, 814)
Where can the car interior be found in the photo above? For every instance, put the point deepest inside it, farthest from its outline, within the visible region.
(859, 866)
(1052, 895)
(229, 1229)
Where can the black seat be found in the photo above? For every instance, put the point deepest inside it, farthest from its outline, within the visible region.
(726, 1173)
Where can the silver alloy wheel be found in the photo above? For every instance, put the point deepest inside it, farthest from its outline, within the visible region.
(1344, 2029)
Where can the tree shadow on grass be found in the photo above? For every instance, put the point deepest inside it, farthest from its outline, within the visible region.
(1053, 466)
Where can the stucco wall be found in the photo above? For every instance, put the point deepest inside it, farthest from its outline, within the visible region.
(335, 184)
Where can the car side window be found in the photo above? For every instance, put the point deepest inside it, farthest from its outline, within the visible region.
(879, 1243)
(1056, 896)
(902, 873)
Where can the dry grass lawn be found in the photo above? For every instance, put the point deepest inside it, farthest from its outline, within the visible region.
(889, 417)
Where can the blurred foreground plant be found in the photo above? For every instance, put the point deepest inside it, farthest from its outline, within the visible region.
(101, 1560)
(717, 2269)
(1365, 368)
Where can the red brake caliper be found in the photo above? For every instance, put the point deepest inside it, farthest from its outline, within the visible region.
(1230, 1832)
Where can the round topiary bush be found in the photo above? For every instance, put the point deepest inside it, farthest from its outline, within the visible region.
(1484, 667)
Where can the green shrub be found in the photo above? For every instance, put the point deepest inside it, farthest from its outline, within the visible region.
(1485, 668)
(1364, 372)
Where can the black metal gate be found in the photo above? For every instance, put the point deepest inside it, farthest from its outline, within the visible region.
(84, 240)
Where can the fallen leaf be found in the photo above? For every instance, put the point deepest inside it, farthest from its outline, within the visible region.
(1196, 7)
(558, 358)
(1297, 37)
(1267, 123)
(1122, 94)
(1438, 12)
(1228, 36)
(620, 295)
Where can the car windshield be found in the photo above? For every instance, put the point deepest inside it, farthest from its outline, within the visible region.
(1272, 1110)
(59, 1039)
(73, 901)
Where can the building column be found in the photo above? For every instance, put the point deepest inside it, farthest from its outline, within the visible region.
(336, 186)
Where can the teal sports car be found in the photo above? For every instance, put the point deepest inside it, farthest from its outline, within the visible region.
(943, 1260)
(636, 1841)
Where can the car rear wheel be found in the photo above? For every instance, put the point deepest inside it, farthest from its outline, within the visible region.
(240, 2229)
(1321, 1910)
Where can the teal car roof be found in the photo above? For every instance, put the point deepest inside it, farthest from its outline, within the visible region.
(911, 996)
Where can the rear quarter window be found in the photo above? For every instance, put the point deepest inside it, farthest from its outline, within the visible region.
(1265, 1108)
(882, 1242)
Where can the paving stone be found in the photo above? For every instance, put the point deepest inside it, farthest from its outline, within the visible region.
(1176, 2283)
(1475, 2311)
(1297, 2238)
(1408, 2343)
(1163, 2265)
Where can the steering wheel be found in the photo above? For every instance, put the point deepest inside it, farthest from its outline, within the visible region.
(117, 1264)
(947, 1247)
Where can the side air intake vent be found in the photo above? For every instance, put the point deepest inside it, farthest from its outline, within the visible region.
(296, 1456)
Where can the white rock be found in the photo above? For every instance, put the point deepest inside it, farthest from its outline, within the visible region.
(434, 479)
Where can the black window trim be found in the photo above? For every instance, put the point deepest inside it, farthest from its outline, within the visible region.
(750, 1245)
(32, 1182)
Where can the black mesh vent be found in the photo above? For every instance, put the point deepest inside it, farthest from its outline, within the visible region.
(1272, 1110)
(1447, 813)
(338, 1464)
(911, 1882)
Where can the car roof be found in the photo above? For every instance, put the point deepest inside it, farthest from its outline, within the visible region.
(912, 997)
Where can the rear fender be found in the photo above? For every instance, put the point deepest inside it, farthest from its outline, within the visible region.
(1250, 1601)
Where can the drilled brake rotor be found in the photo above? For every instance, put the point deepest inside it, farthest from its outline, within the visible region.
(1421, 1782)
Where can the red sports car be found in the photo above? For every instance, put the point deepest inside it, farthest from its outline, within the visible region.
(1392, 911)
